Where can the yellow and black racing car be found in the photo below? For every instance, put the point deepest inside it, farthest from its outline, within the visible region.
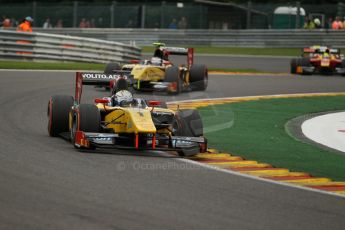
(160, 74)
(121, 121)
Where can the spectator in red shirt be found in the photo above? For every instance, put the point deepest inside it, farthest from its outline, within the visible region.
(337, 24)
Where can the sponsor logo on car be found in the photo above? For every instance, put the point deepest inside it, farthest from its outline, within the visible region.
(101, 76)
(103, 140)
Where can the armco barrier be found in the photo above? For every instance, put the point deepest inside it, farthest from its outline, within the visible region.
(221, 38)
(62, 48)
(105, 45)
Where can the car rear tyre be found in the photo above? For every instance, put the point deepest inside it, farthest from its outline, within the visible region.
(343, 66)
(304, 62)
(121, 84)
(110, 67)
(58, 112)
(198, 77)
(293, 66)
(172, 76)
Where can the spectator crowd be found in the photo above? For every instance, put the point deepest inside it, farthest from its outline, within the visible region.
(309, 23)
(6, 22)
(333, 24)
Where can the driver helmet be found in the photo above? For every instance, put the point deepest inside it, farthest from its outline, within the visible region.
(29, 19)
(326, 53)
(317, 22)
(123, 96)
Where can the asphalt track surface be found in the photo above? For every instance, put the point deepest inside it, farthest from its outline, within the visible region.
(47, 184)
(262, 63)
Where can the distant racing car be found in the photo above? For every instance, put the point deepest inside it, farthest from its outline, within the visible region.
(318, 59)
(121, 121)
(160, 74)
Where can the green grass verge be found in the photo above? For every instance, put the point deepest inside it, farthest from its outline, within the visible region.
(50, 65)
(238, 50)
(257, 132)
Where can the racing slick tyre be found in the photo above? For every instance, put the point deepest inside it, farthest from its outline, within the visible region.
(343, 66)
(58, 112)
(88, 118)
(121, 84)
(293, 66)
(188, 123)
(172, 76)
(110, 67)
(304, 62)
(198, 77)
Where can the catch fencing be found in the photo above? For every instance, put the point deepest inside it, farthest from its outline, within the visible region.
(121, 45)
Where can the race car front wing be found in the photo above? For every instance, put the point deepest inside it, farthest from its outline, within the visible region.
(109, 140)
(312, 69)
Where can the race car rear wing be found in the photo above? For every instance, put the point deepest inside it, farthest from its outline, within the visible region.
(320, 49)
(189, 52)
(308, 50)
(334, 51)
(101, 79)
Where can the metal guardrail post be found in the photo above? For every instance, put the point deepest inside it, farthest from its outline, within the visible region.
(75, 14)
(142, 14)
(112, 14)
(162, 14)
(249, 6)
(34, 6)
(298, 15)
(201, 17)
